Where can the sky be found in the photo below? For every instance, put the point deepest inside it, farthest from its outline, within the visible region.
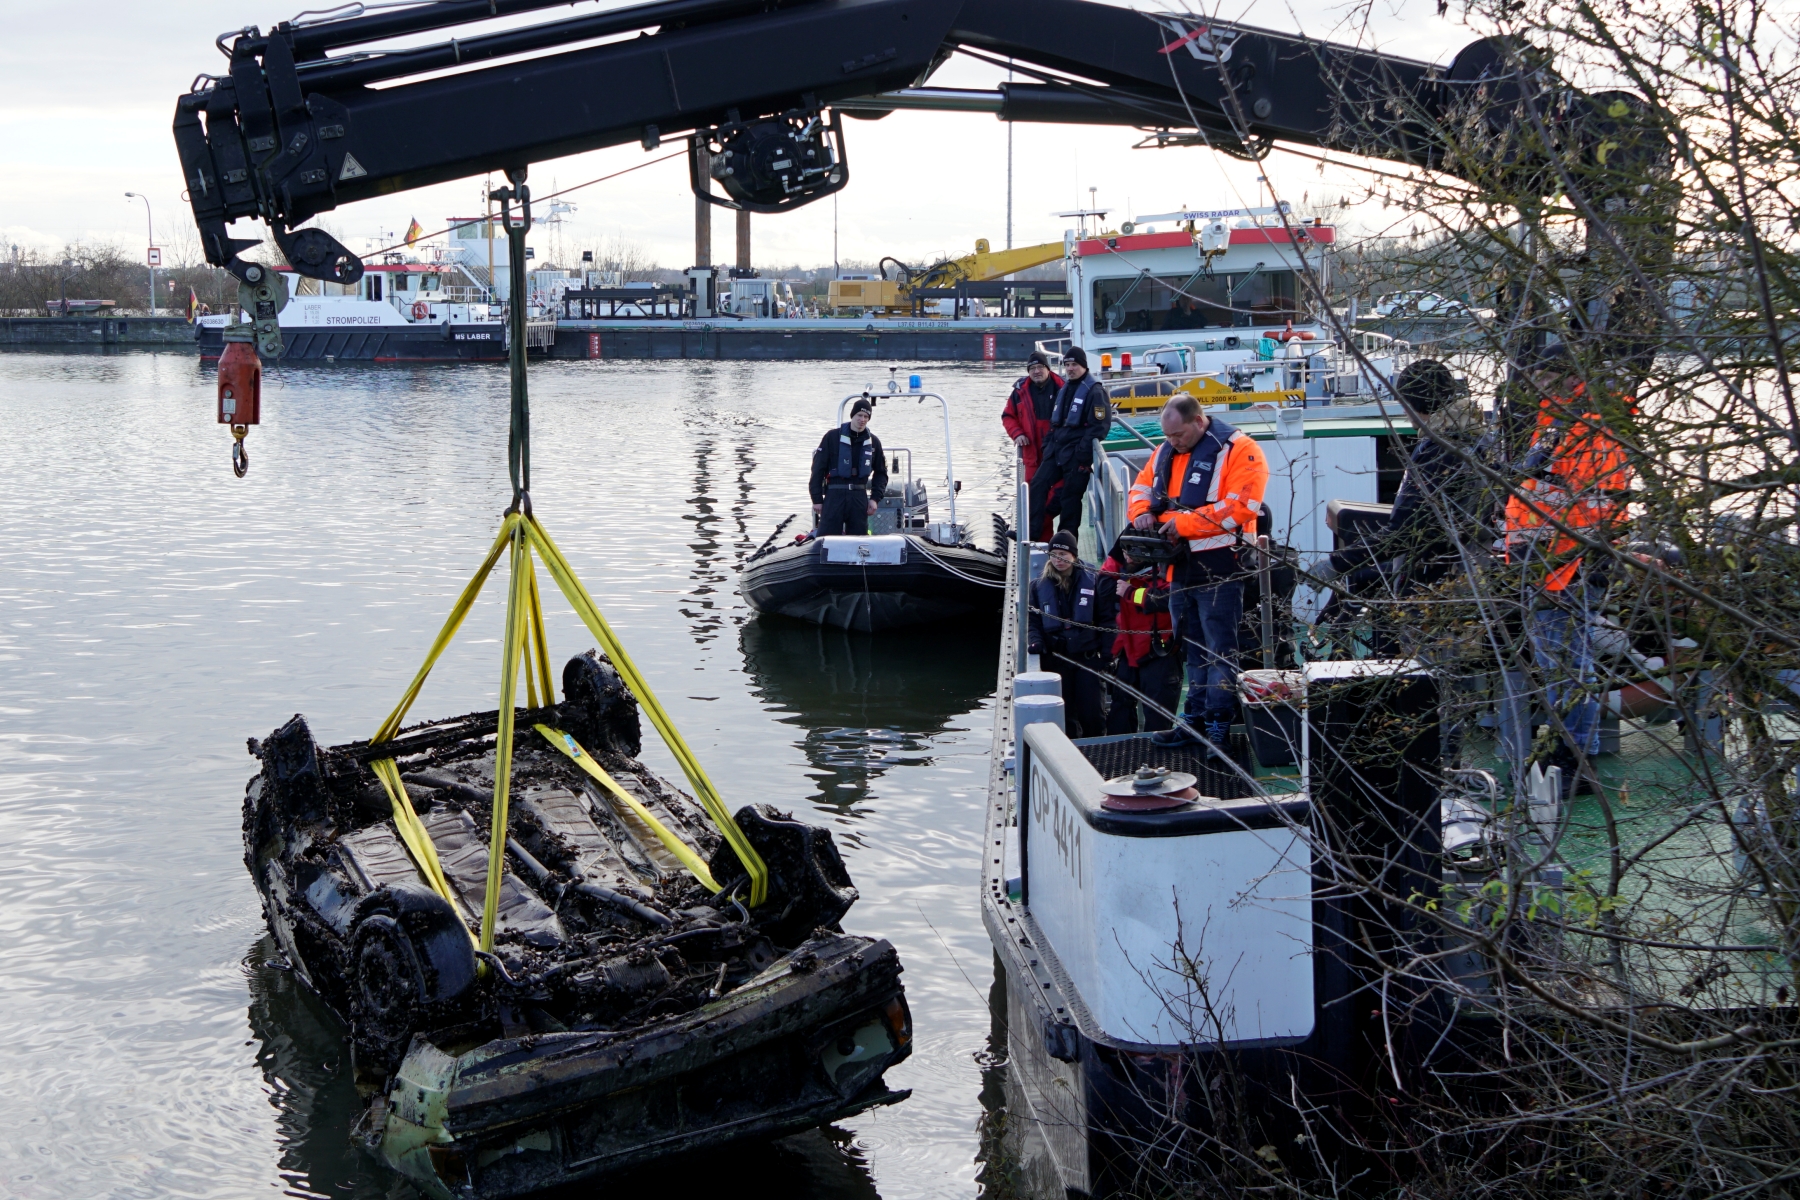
(86, 113)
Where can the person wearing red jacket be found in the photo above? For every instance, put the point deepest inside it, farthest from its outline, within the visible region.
(1027, 419)
(1143, 652)
(1203, 488)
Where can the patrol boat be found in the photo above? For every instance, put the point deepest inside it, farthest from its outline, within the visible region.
(907, 570)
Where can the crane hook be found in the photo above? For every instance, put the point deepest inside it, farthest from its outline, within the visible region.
(240, 457)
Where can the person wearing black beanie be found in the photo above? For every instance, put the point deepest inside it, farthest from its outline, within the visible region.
(849, 475)
(1080, 416)
(1071, 627)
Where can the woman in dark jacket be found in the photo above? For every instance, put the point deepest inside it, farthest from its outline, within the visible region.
(1071, 629)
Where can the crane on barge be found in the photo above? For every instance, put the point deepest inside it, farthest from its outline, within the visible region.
(315, 114)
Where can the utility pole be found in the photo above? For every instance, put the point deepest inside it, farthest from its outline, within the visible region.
(150, 242)
(703, 207)
(1009, 133)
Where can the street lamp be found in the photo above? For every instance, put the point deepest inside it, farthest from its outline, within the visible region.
(150, 236)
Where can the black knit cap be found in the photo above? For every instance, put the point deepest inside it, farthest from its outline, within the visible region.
(1428, 385)
(1036, 358)
(1065, 539)
(1075, 354)
(862, 406)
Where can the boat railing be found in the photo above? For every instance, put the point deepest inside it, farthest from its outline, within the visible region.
(1021, 572)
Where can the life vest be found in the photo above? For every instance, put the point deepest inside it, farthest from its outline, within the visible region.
(1201, 478)
(1590, 475)
(1141, 633)
(1072, 410)
(1069, 633)
(853, 468)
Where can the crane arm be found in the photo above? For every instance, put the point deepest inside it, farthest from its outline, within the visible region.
(292, 130)
(986, 264)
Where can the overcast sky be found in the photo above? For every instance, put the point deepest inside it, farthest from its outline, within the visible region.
(91, 88)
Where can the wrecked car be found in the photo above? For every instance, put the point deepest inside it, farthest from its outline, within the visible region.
(626, 1010)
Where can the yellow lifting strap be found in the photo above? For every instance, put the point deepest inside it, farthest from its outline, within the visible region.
(680, 849)
(406, 821)
(709, 798)
(524, 646)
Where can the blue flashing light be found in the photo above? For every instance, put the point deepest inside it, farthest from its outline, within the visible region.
(914, 382)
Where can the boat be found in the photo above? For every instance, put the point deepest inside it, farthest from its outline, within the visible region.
(447, 307)
(907, 570)
(1245, 1010)
(626, 1011)
(1226, 304)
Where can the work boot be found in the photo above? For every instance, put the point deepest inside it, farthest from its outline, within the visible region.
(1217, 728)
(1172, 738)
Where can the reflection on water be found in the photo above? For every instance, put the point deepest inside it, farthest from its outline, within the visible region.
(306, 1065)
(862, 699)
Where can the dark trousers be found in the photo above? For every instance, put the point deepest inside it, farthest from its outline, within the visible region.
(1158, 677)
(1084, 710)
(1206, 621)
(1074, 480)
(846, 512)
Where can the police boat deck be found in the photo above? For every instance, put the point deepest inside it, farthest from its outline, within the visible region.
(626, 1013)
(907, 570)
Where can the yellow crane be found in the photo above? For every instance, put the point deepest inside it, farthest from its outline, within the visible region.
(895, 295)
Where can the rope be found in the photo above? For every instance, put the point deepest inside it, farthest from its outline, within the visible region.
(999, 583)
(525, 650)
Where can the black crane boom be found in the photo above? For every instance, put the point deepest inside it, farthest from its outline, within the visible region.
(292, 131)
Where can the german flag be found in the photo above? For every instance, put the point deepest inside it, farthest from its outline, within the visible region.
(193, 306)
(414, 231)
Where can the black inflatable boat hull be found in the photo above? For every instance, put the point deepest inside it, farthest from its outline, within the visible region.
(930, 583)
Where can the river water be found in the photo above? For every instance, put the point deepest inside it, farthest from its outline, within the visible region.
(155, 612)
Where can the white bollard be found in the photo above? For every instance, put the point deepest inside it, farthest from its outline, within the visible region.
(1033, 710)
(1036, 683)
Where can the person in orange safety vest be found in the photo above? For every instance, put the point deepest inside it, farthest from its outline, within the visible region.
(1203, 488)
(1575, 482)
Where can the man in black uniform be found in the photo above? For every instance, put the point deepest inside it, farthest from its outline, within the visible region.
(1081, 416)
(849, 475)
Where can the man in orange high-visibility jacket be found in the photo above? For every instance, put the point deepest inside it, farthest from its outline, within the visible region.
(1576, 480)
(1204, 489)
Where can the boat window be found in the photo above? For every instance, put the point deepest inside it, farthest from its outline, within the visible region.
(430, 284)
(1151, 303)
(374, 287)
(399, 283)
